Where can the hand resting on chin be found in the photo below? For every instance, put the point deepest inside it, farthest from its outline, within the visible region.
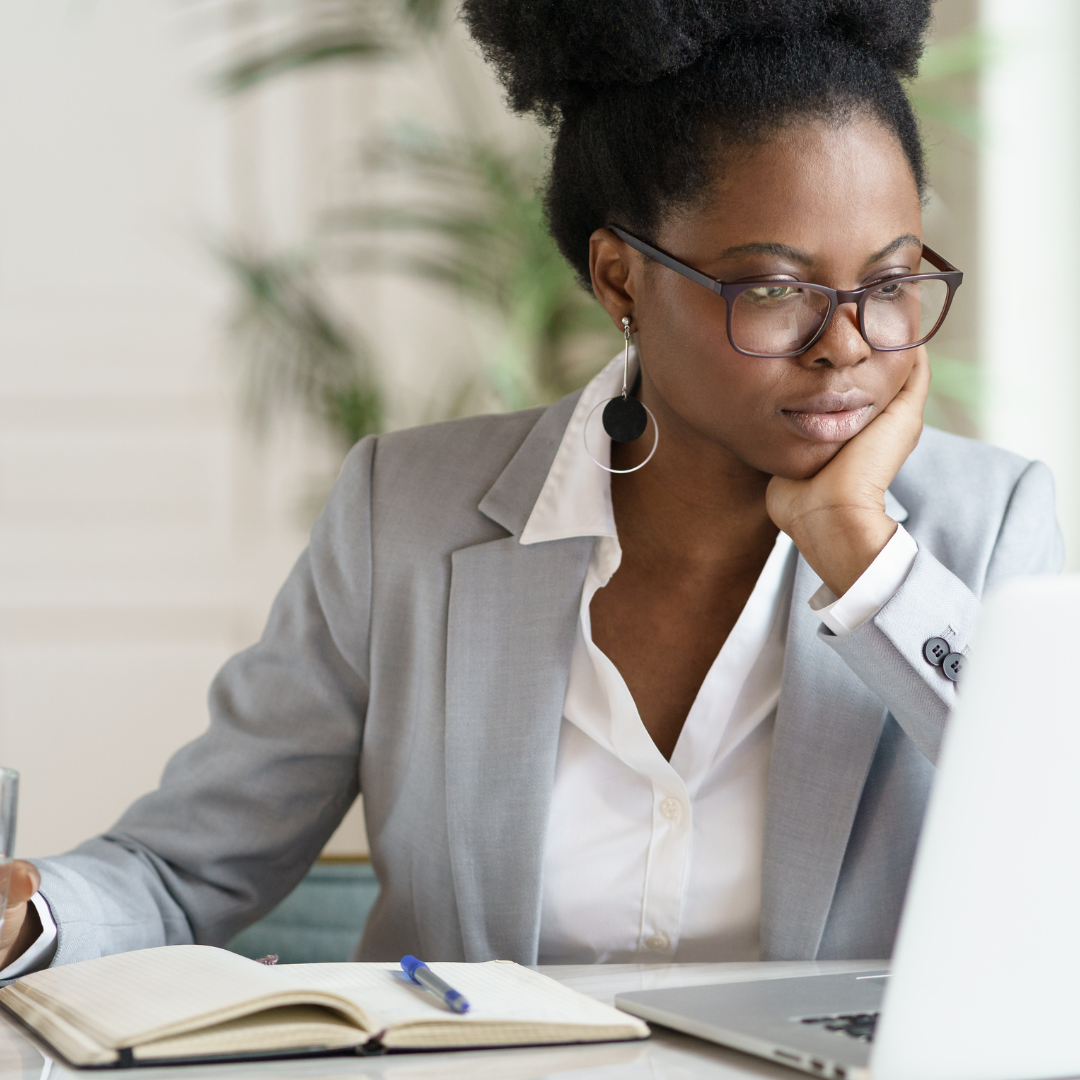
(837, 517)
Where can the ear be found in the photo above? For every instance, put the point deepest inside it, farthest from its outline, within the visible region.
(616, 271)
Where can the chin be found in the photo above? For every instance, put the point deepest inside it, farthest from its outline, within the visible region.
(806, 461)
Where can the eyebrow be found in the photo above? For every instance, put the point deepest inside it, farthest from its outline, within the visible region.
(907, 240)
(785, 251)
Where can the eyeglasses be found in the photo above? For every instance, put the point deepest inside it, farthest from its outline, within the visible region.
(785, 318)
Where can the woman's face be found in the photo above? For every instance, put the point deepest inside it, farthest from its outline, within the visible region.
(834, 205)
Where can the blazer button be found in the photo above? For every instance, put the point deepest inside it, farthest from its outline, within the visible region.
(954, 666)
(935, 651)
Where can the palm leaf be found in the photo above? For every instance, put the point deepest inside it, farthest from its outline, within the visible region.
(477, 226)
(962, 54)
(945, 66)
(293, 352)
(959, 380)
(314, 32)
(278, 57)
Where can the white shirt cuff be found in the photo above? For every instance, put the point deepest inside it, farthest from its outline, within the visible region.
(873, 590)
(41, 952)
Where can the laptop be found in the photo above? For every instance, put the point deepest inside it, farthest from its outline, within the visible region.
(984, 982)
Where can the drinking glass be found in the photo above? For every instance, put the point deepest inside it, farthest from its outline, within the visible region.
(9, 804)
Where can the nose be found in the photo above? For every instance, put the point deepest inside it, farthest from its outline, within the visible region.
(841, 346)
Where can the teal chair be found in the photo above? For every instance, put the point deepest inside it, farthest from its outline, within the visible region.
(320, 920)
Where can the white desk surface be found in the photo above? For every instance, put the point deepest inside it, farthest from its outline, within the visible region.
(666, 1056)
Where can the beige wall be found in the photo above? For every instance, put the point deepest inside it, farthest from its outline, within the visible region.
(142, 533)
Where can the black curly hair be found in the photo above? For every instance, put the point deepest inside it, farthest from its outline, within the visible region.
(643, 95)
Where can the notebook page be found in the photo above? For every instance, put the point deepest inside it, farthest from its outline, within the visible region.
(118, 999)
(496, 990)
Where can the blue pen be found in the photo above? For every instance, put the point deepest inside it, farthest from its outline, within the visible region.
(422, 975)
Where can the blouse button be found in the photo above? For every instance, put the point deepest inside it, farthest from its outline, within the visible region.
(671, 809)
(657, 942)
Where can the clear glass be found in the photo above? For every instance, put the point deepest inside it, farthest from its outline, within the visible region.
(774, 320)
(898, 314)
(781, 319)
(9, 805)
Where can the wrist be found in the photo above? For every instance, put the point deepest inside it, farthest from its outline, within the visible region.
(28, 932)
(839, 545)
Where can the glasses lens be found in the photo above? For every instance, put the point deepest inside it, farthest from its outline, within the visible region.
(777, 319)
(902, 313)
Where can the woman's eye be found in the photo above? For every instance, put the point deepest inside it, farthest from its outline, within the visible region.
(896, 290)
(770, 294)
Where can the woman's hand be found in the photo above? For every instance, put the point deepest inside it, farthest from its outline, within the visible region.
(837, 518)
(21, 924)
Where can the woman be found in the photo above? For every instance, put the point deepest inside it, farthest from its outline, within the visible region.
(601, 698)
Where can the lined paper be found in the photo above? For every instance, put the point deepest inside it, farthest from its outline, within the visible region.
(495, 991)
(198, 997)
(119, 999)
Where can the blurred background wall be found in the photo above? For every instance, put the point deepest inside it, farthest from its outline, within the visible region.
(235, 236)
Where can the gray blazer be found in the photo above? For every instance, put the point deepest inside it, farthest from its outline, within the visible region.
(420, 654)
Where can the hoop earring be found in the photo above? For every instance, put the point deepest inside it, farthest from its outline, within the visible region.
(624, 418)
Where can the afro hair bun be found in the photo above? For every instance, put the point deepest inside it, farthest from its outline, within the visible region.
(548, 53)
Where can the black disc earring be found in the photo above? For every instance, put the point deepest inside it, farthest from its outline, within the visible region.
(624, 417)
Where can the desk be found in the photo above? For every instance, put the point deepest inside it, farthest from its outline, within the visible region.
(666, 1056)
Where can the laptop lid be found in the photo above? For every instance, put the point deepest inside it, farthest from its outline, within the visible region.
(986, 971)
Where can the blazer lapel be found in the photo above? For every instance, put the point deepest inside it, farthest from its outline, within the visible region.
(512, 619)
(826, 733)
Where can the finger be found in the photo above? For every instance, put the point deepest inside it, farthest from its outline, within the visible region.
(25, 881)
(900, 422)
(881, 448)
(916, 386)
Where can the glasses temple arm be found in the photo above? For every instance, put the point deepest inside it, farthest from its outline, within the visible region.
(715, 286)
(666, 260)
(942, 264)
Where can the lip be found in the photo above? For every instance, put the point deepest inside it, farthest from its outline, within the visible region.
(830, 417)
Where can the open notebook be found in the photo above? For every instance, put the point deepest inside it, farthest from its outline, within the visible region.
(184, 1002)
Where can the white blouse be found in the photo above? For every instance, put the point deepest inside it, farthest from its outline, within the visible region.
(646, 859)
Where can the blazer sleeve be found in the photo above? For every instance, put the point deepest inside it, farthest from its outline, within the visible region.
(244, 810)
(886, 651)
